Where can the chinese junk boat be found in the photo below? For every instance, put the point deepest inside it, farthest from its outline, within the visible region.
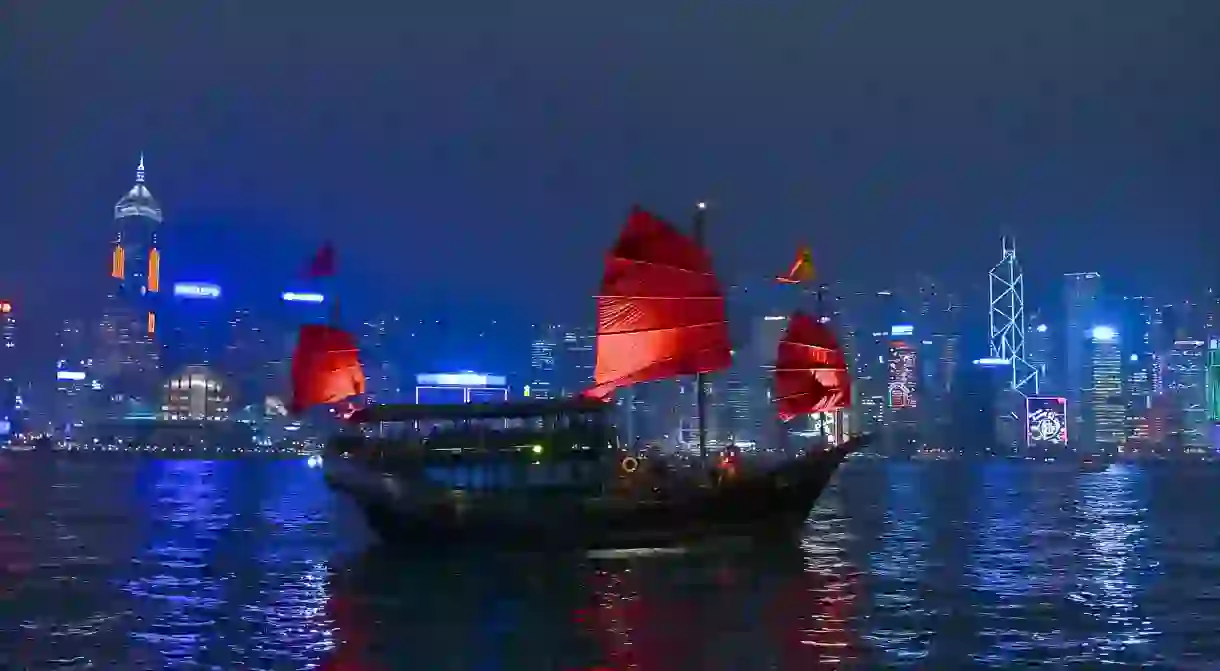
(551, 472)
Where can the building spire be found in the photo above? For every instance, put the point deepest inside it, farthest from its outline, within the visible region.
(140, 170)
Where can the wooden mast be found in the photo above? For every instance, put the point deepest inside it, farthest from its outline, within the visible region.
(699, 234)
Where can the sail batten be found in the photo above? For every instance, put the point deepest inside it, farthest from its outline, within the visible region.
(660, 310)
(325, 367)
(810, 370)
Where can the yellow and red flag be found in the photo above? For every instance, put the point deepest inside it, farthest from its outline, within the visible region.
(801, 270)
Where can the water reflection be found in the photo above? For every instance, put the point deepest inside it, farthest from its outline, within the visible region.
(1022, 561)
(901, 629)
(292, 577)
(251, 564)
(823, 597)
(1113, 570)
(177, 592)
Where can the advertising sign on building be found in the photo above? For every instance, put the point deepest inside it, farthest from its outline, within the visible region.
(1046, 420)
(902, 376)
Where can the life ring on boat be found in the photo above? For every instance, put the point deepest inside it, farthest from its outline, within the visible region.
(629, 464)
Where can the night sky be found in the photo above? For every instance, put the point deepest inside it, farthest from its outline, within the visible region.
(471, 153)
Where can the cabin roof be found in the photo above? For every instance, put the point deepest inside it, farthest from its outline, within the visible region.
(508, 410)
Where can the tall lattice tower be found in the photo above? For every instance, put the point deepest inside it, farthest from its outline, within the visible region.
(1006, 287)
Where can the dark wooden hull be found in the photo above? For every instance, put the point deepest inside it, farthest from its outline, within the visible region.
(771, 504)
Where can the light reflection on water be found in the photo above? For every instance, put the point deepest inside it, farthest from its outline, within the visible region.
(134, 563)
(1114, 571)
(900, 631)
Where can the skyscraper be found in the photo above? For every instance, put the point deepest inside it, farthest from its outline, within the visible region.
(1040, 352)
(135, 259)
(8, 340)
(543, 383)
(128, 359)
(72, 385)
(1081, 294)
(1006, 285)
(903, 393)
(1137, 317)
(256, 360)
(1105, 409)
(576, 359)
(8, 365)
(1187, 377)
(378, 340)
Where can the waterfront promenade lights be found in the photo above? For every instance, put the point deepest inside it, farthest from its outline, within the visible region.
(1104, 333)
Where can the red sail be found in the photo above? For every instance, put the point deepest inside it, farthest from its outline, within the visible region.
(323, 262)
(661, 312)
(325, 367)
(810, 370)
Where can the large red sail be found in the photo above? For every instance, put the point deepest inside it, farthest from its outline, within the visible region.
(661, 312)
(810, 370)
(325, 367)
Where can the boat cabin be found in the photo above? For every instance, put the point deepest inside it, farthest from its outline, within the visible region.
(482, 446)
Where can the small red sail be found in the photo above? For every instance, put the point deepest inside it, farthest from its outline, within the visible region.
(322, 264)
(325, 367)
(810, 370)
(661, 312)
(801, 269)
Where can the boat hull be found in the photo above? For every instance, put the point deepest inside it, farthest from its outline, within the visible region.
(772, 504)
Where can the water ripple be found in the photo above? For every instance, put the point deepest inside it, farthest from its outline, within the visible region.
(140, 564)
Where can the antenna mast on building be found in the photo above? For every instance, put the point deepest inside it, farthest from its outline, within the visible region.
(1006, 287)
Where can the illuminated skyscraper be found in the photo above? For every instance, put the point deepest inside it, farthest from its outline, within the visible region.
(8, 340)
(8, 366)
(543, 383)
(1040, 352)
(72, 385)
(256, 359)
(128, 358)
(1137, 318)
(1081, 294)
(135, 259)
(1187, 377)
(1006, 283)
(903, 384)
(377, 354)
(1105, 410)
(576, 359)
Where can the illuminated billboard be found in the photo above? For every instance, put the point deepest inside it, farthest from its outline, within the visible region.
(196, 290)
(69, 375)
(1213, 385)
(464, 387)
(1046, 420)
(460, 380)
(902, 376)
(902, 330)
(5, 307)
(302, 297)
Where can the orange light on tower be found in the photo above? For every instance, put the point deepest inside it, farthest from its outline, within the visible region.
(117, 261)
(154, 271)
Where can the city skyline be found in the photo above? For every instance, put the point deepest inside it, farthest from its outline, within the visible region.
(127, 358)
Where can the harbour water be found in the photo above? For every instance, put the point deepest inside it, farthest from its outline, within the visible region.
(139, 563)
